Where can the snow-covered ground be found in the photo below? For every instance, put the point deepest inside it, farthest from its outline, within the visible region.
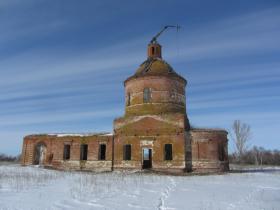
(36, 188)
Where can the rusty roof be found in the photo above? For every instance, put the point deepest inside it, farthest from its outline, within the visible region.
(155, 67)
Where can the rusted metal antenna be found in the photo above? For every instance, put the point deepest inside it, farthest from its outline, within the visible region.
(154, 39)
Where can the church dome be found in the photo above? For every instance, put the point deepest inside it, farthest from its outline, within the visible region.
(155, 65)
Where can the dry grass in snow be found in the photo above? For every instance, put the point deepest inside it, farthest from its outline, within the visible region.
(37, 188)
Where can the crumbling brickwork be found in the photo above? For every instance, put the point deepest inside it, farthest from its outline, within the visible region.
(153, 134)
(54, 156)
(209, 150)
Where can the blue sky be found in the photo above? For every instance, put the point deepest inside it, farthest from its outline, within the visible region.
(63, 63)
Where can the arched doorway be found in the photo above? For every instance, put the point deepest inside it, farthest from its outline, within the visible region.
(40, 154)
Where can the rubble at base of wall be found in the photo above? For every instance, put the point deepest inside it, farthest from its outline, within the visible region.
(95, 166)
(210, 166)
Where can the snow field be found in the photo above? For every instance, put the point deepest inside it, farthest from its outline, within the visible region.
(36, 188)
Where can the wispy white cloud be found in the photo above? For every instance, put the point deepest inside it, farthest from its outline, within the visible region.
(39, 65)
(231, 103)
(28, 118)
(254, 33)
(62, 75)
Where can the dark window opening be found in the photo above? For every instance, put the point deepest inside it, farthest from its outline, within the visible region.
(168, 151)
(221, 152)
(66, 152)
(147, 95)
(153, 50)
(198, 152)
(83, 152)
(128, 99)
(127, 152)
(102, 152)
(51, 158)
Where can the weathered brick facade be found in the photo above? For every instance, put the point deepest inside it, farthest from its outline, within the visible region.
(154, 133)
(54, 155)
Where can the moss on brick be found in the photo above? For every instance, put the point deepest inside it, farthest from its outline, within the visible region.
(154, 108)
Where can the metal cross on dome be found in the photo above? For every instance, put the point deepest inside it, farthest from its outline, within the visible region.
(154, 39)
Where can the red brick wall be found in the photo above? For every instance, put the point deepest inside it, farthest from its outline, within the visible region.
(153, 131)
(206, 152)
(156, 143)
(55, 149)
(167, 95)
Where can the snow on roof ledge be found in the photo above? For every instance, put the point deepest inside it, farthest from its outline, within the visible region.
(75, 134)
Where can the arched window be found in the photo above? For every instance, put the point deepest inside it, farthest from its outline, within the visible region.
(147, 95)
(40, 153)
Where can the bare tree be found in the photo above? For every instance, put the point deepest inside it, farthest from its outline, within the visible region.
(258, 155)
(241, 136)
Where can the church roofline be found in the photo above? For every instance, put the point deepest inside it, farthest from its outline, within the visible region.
(217, 130)
(72, 134)
(133, 77)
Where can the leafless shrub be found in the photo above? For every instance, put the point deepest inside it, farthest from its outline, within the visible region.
(258, 156)
(21, 178)
(99, 186)
(9, 158)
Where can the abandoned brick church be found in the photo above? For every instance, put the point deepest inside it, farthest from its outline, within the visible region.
(154, 132)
